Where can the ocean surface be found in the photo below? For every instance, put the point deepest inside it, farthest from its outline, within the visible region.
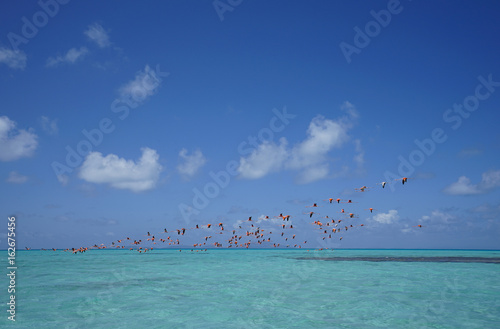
(255, 289)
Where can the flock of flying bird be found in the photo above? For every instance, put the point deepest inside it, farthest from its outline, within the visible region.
(277, 231)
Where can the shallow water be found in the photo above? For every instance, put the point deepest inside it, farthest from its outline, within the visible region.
(256, 289)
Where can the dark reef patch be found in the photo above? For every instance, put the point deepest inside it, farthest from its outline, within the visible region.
(434, 259)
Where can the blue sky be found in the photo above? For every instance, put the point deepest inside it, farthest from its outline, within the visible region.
(119, 118)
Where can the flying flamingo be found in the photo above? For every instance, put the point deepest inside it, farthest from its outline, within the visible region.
(403, 180)
(382, 183)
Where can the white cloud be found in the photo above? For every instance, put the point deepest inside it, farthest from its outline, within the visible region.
(267, 158)
(470, 152)
(322, 135)
(487, 211)
(438, 217)
(190, 163)
(262, 219)
(49, 126)
(490, 180)
(121, 173)
(272, 220)
(309, 157)
(63, 179)
(406, 229)
(15, 144)
(16, 178)
(482, 208)
(70, 57)
(143, 86)
(387, 218)
(96, 33)
(313, 173)
(350, 110)
(15, 59)
(462, 187)
(359, 158)
(441, 221)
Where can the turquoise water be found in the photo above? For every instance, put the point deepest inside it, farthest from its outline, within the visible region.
(253, 289)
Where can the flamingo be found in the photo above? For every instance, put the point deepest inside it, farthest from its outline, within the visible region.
(403, 180)
(382, 183)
